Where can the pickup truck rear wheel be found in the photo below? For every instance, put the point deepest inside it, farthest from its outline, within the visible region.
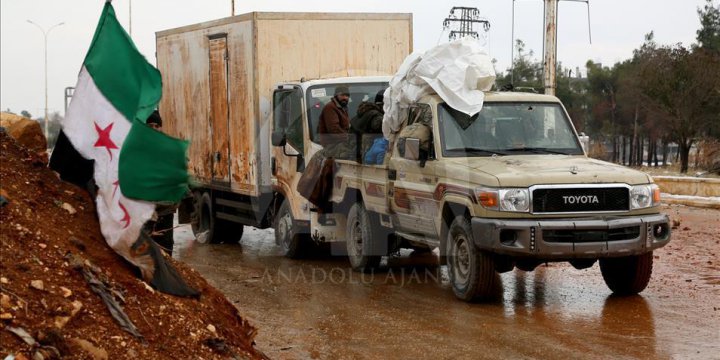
(359, 240)
(472, 271)
(627, 275)
(290, 243)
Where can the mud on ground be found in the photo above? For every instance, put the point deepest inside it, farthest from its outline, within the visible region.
(319, 308)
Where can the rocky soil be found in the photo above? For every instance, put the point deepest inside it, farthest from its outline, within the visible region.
(50, 240)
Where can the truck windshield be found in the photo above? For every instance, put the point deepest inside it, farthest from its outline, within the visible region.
(319, 95)
(503, 128)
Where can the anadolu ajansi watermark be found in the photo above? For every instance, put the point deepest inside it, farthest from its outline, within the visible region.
(338, 275)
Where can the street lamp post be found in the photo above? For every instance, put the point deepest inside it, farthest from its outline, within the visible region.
(45, 36)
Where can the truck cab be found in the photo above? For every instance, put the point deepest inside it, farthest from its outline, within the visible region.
(295, 116)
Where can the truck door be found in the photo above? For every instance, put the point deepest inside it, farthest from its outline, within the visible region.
(288, 120)
(219, 115)
(413, 202)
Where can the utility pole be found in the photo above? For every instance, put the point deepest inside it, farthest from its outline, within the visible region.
(232, 7)
(130, 17)
(550, 56)
(45, 36)
(464, 25)
(550, 42)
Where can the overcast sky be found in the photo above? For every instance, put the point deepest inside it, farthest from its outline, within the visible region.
(618, 27)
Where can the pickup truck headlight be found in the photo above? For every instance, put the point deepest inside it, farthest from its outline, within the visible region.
(512, 200)
(644, 196)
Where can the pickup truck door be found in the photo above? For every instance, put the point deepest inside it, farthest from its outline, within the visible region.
(413, 202)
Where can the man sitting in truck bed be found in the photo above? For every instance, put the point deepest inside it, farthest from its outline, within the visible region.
(334, 127)
(367, 124)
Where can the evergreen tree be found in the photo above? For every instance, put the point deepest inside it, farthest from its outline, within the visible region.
(708, 36)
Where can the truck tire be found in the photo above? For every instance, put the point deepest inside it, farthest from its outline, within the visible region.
(361, 232)
(207, 228)
(227, 232)
(291, 244)
(472, 271)
(627, 275)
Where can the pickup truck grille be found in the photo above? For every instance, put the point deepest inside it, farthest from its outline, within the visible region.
(590, 199)
(579, 236)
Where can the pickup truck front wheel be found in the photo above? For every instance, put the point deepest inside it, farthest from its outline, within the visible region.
(360, 231)
(627, 275)
(472, 271)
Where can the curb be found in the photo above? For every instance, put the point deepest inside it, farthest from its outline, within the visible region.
(700, 203)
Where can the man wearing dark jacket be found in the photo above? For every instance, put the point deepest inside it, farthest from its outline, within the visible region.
(367, 124)
(334, 122)
(369, 116)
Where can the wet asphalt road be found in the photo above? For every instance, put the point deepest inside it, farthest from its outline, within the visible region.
(319, 308)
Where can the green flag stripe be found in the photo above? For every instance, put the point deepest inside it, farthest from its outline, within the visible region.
(152, 165)
(120, 71)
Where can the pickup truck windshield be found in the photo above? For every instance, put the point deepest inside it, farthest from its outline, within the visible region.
(503, 128)
(319, 95)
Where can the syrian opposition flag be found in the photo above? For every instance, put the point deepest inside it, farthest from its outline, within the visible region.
(117, 90)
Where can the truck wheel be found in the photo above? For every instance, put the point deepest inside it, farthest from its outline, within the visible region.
(472, 272)
(207, 228)
(359, 239)
(627, 275)
(227, 232)
(290, 243)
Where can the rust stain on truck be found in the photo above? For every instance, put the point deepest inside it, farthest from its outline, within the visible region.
(261, 50)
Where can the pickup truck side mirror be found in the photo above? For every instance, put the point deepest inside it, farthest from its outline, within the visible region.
(412, 149)
(278, 138)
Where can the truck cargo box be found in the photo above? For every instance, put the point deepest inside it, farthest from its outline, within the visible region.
(218, 78)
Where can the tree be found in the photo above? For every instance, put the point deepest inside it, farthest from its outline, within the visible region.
(525, 72)
(572, 91)
(54, 126)
(684, 87)
(708, 36)
(26, 114)
(602, 87)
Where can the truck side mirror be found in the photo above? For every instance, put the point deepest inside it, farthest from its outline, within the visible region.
(278, 138)
(412, 149)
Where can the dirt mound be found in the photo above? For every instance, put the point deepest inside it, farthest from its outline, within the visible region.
(27, 132)
(50, 240)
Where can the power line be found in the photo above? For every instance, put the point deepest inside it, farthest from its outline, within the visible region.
(463, 21)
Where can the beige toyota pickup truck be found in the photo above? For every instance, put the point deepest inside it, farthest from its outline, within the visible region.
(509, 187)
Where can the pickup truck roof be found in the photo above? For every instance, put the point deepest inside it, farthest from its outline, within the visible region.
(497, 96)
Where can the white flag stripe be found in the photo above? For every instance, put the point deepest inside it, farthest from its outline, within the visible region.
(89, 108)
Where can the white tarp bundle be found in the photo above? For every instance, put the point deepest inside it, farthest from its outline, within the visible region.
(458, 72)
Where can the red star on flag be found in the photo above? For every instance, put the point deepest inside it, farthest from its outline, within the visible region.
(104, 139)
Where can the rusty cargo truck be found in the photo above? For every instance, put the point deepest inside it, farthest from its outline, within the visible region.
(229, 84)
